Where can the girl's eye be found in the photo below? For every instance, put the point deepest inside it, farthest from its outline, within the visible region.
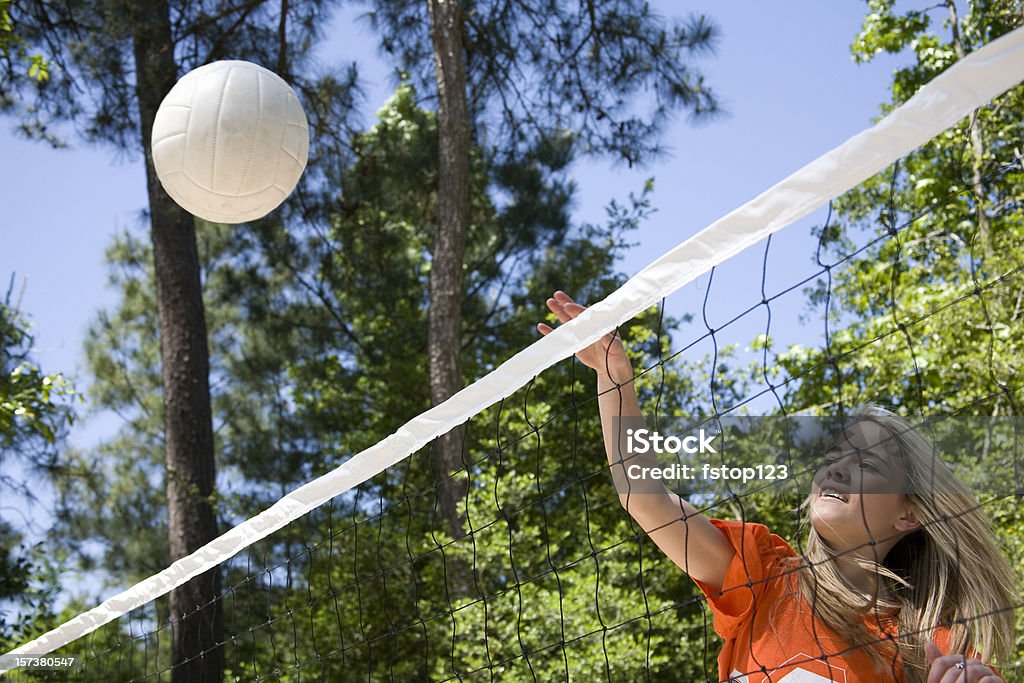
(869, 466)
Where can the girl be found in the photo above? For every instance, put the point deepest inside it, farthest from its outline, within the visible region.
(885, 576)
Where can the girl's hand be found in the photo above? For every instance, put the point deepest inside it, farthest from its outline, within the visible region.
(957, 669)
(607, 355)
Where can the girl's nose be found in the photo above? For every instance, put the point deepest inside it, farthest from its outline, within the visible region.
(837, 471)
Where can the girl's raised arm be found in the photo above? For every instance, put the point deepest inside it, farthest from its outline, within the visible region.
(682, 533)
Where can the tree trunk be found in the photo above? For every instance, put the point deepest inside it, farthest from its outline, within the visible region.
(197, 652)
(444, 325)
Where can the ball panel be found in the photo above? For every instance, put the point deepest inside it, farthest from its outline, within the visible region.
(256, 148)
(170, 120)
(265, 136)
(292, 160)
(180, 188)
(239, 118)
(207, 98)
(169, 155)
(288, 173)
(296, 115)
(295, 143)
(295, 146)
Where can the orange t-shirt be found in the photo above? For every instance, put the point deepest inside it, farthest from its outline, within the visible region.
(769, 631)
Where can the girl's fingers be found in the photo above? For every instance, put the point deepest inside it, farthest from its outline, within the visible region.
(564, 308)
(953, 675)
(937, 667)
(563, 297)
(945, 670)
(566, 302)
(979, 673)
(559, 310)
(565, 311)
(939, 664)
(572, 310)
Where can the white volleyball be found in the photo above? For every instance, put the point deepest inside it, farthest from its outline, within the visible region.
(230, 141)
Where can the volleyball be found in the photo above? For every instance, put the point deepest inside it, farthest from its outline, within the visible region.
(230, 141)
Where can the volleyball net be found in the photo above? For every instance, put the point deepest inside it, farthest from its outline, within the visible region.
(913, 277)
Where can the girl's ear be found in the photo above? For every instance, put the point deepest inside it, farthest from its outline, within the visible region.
(908, 520)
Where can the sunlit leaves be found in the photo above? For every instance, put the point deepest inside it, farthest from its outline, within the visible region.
(32, 403)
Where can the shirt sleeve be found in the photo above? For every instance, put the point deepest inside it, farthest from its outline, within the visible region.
(748, 576)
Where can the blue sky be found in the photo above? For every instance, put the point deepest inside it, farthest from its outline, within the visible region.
(783, 72)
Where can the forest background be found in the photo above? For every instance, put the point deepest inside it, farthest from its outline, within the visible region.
(317, 318)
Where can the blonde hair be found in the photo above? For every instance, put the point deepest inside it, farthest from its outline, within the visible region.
(950, 571)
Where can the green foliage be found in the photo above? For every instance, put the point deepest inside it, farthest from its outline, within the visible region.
(927, 319)
(32, 403)
(12, 51)
(884, 31)
(35, 411)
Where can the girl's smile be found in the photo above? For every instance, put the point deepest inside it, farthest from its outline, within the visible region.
(856, 495)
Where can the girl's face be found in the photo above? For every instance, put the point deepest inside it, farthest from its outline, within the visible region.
(856, 494)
